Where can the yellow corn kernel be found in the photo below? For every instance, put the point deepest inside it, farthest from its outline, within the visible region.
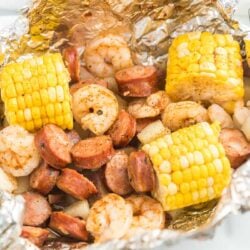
(204, 171)
(50, 110)
(21, 103)
(52, 94)
(20, 116)
(59, 93)
(28, 101)
(184, 188)
(27, 114)
(10, 91)
(157, 159)
(36, 99)
(202, 183)
(195, 172)
(35, 111)
(187, 175)
(211, 169)
(165, 179)
(177, 177)
(19, 89)
(38, 123)
(52, 80)
(12, 105)
(29, 125)
(59, 120)
(11, 118)
(165, 153)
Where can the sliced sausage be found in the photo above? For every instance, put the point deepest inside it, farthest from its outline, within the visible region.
(144, 122)
(43, 178)
(236, 146)
(80, 84)
(123, 130)
(74, 137)
(72, 61)
(137, 81)
(68, 225)
(75, 184)
(37, 209)
(93, 152)
(53, 145)
(98, 178)
(36, 235)
(116, 174)
(140, 171)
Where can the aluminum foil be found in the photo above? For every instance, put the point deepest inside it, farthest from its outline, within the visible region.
(11, 211)
(149, 27)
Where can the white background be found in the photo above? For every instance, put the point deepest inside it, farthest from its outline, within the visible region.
(234, 233)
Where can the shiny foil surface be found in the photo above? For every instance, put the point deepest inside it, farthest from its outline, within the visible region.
(149, 27)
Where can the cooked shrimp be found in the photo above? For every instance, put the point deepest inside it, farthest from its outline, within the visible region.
(149, 107)
(183, 114)
(109, 218)
(107, 54)
(18, 154)
(217, 113)
(148, 214)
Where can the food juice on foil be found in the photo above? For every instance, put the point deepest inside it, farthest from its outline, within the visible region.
(149, 28)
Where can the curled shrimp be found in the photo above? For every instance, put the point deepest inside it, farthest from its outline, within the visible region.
(109, 218)
(217, 113)
(107, 54)
(148, 214)
(183, 114)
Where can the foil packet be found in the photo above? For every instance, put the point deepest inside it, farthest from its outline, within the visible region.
(149, 26)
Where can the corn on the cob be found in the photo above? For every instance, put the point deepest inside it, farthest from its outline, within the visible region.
(36, 92)
(190, 165)
(205, 67)
(247, 48)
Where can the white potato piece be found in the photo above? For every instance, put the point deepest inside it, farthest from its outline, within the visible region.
(23, 185)
(7, 182)
(152, 131)
(246, 128)
(217, 113)
(240, 115)
(78, 209)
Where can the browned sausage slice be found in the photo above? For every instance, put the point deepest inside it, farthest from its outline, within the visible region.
(93, 152)
(75, 184)
(72, 61)
(82, 83)
(123, 130)
(236, 146)
(43, 178)
(74, 137)
(36, 235)
(98, 178)
(68, 226)
(137, 81)
(37, 209)
(140, 171)
(116, 174)
(53, 145)
(144, 122)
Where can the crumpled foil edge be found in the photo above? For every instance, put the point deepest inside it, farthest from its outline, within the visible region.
(236, 199)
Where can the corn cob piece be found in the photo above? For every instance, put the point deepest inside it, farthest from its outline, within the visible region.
(36, 92)
(205, 67)
(190, 165)
(247, 48)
